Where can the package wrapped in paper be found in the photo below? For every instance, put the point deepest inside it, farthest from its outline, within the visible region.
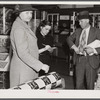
(49, 81)
(94, 44)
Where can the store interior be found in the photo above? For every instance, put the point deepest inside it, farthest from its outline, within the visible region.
(63, 18)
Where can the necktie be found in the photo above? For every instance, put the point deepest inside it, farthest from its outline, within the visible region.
(82, 42)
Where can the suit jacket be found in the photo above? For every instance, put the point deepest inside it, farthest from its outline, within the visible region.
(24, 64)
(94, 34)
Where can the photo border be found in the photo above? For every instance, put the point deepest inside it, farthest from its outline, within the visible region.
(49, 94)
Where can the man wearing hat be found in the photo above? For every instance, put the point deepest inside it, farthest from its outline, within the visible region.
(85, 57)
(25, 64)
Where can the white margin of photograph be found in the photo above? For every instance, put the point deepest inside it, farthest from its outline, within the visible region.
(93, 94)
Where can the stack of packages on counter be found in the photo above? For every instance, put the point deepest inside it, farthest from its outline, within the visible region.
(49, 81)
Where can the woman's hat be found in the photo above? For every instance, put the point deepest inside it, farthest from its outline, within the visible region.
(24, 7)
(83, 15)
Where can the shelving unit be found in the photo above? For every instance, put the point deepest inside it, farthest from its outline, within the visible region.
(5, 51)
(54, 20)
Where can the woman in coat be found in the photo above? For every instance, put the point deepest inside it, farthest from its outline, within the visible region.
(45, 41)
(24, 63)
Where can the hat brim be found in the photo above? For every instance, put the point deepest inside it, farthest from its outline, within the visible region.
(83, 17)
(25, 9)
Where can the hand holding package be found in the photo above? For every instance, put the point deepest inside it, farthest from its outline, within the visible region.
(45, 68)
(94, 44)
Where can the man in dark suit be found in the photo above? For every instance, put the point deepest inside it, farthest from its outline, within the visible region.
(85, 58)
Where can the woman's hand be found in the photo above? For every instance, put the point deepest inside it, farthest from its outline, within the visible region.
(47, 47)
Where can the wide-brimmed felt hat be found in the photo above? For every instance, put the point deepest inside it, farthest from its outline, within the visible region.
(83, 15)
(23, 7)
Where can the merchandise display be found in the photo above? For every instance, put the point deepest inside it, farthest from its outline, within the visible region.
(5, 20)
(50, 81)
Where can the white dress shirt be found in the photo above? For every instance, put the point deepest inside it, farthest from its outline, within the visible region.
(87, 34)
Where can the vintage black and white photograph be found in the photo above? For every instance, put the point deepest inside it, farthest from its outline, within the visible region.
(52, 46)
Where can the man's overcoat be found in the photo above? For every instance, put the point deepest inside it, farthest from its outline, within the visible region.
(24, 63)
